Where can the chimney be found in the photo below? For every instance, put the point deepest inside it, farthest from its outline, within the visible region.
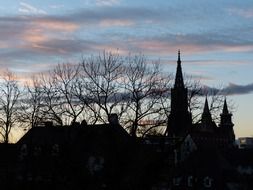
(113, 119)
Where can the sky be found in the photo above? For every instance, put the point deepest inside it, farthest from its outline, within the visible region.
(215, 38)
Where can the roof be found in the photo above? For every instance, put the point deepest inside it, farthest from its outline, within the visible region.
(44, 135)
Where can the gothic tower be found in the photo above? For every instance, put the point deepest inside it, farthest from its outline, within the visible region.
(207, 123)
(226, 124)
(179, 121)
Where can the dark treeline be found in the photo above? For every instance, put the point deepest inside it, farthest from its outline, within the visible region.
(129, 86)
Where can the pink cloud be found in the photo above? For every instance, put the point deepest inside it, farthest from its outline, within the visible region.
(161, 47)
(63, 26)
(42, 31)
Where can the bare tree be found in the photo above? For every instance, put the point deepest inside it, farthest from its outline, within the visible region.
(146, 88)
(31, 103)
(51, 101)
(9, 97)
(195, 92)
(216, 101)
(196, 97)
(99, 87)
(66, 82)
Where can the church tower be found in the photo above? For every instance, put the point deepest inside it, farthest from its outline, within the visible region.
(207, 123)
(179, 121)
(226, 124)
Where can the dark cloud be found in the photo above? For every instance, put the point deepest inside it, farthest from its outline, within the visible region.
(46, 51)
(66, 46)
(231, 89)
(12, 27)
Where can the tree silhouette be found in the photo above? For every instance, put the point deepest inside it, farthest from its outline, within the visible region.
(9, 100)
(146, 88)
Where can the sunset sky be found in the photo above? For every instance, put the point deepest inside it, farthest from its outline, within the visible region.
(215, 38)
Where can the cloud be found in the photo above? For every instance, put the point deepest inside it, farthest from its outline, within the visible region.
(191, 43)
(62, 26)
(24, 32)
(246, 12)
(129, 29)
(107, 2)
(231, 89)
(29, 9)
(94, 16)
(234, 89)
(56, 6)
(116, 22)
(65, 46)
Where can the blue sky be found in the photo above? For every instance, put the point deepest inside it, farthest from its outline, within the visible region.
(215, 38)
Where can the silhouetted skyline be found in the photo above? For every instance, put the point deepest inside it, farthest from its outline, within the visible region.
(215, 38)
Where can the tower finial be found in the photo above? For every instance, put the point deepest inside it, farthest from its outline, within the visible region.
(179, 82)
(179, 59)
(225, 107)
(206, 107)
(206, 118)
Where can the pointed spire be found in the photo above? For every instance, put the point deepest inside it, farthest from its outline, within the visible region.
(179, 81)
(206, 107)
(226, 117)
(225, 107)
(178, 58)
(206, 119)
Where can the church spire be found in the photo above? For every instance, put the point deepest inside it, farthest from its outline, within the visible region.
(225, 108)
(180, 120)
(178, 57)
(206, 115)
(226, 117)
(179, 81)
(206, 108)
(226, 124)
(206, 120)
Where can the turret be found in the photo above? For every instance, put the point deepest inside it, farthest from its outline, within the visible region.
(226, 125)
(207, 123)
(226, 117)
(206, 115)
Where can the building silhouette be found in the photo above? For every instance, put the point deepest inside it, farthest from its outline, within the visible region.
(104, 156)
(206, 132)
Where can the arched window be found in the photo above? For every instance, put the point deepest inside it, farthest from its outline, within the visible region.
(23, 151)
(190, 181)
(207, 182)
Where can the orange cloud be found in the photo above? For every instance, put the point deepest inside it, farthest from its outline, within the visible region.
(43, 30)
(57, 25)
(34, 35)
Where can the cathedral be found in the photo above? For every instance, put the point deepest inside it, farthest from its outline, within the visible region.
(206, 132)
